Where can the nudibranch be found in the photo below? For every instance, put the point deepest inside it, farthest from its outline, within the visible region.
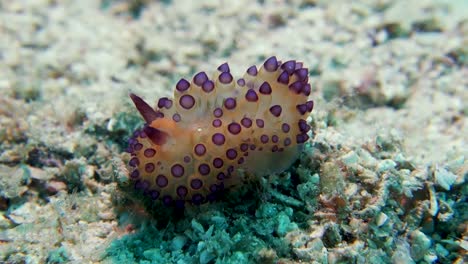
(217, 130)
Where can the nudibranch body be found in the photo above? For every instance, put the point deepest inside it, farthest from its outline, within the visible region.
(217, 130)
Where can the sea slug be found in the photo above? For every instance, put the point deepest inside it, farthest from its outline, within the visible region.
(217, 132)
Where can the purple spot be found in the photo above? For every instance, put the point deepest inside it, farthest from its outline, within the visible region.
(197, 199)
(260, 123)
(301, 74)
(138, 146)
(208, 86)
(149, 152)
(301, 138)
(301, 108)
(196, 184)
(135, 174)
(187, 101)
(182, 191)
(149, 167)
(299, 65)
(221, 176)
(200, 78)
(176, 117)
(230, 103)
(200, 149)
(218, 163)
(265, 88)
(241, 82)
(182, 85)
(234, 128)
(187, 159)
(264, 139)
(241, 160)
(225, 77)
(274, 139)
(231, 154)
(244, 147)
(285, 127)
(218, 112)
(296, 87)
(134, 162)
(253, 147)
(252, 70)
(276, 110)
(204, 169)
(154, 194)
(217, 123)
(283, 78)
(289, 66)
(287, 142)
(223, 67)
(218, 139)
(230, 169)
(306, 89)
(246, 122)
(251, 96)
(271, 64)
(177, 170)
(274, 148)
(161, 181)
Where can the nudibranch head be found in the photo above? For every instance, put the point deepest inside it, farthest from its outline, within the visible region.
(216, 130)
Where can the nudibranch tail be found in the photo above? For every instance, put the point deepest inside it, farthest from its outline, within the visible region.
(216, 129)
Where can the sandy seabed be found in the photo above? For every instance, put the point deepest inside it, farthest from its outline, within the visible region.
(382, 180)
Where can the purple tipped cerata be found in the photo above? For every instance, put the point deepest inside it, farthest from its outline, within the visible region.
(231, 154)
(187, 101)
(276, 110)
(225, 77)
(246, 122)
(271, 64)
(200, 78)
(182, 85)
(204, 169)
(252, 70)
(251, 96)
(208, 86)
(177, 170)
(161, 181)
(200, 149)
(265, 88)
(289, 66)
(182, 191)
(234, 128)
(218, 163)
(301, 74)
(285, 127)
(283, 78)
(224, 67)
(230, 103)
(218, 112)
(296, 87)
(218, 139)
(196, 184)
